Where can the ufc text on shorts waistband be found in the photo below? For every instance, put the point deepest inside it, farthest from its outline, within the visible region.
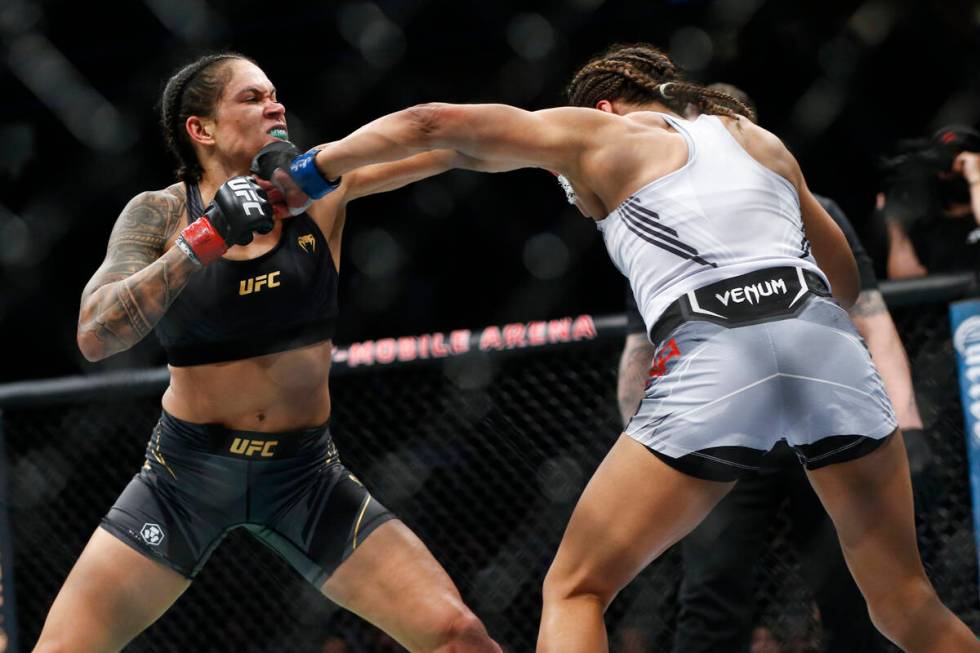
(247, 445)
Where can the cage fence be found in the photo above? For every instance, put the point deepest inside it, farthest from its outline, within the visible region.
(481, 442)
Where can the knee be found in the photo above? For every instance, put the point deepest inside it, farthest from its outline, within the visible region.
(466, 628)
(907, 610)
(457, 629)
(562, 585)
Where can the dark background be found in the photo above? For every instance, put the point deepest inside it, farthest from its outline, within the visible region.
(839, 82)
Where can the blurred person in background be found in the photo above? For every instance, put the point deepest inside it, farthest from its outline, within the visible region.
(717, 604)
(694, 213)
(929, 209)
(243, 296)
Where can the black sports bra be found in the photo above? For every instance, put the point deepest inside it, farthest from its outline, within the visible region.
(231, 310)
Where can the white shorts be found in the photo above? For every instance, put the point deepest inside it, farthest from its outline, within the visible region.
(720, 398)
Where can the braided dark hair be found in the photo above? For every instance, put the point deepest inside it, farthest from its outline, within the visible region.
(640, 73)
(194, 90)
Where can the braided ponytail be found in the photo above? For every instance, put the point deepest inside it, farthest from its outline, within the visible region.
(641, 73)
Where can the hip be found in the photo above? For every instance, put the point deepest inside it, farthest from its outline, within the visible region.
(180, 450)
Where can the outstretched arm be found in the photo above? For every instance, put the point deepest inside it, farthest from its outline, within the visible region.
(493, 137)
(383, 177)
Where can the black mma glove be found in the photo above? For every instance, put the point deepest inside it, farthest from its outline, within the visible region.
(240, 207)
(295, 167)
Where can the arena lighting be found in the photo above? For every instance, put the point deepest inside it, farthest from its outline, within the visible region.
(531, 36)
(818, 107)
(872, 22)
(365, 26)
(64, 90)
(691, 48)
(736, 12)
(191, 20)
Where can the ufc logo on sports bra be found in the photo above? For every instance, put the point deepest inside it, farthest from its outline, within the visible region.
(243, 188)
(255, 284)
(247, 447)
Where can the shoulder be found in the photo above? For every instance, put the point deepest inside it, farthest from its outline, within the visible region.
(157, 212)
(586, 125)
(765, 147)
(173, 194)
(164, 201)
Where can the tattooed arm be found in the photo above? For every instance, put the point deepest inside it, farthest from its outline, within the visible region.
(138, 281)
(634, 365)
(874, 322)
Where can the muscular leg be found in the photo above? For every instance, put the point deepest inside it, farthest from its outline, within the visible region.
(111, 595)
(716, 598)
(394, 582)
(870, 502)
(847, 628)
(632, 510)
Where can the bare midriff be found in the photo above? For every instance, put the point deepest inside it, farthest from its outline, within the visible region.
(272, 393)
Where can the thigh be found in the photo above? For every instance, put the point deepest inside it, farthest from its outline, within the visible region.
(870, 502)
(843, 612)
(633, 509)
(729, 539)
(394, 582)
(313, 515)
(716, 596)
(111, 595)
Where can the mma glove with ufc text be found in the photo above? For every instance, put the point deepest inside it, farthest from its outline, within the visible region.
(240, 207)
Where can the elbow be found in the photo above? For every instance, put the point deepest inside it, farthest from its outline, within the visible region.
(846, 291)
(845, 281)
(846, 299)
(90, 345)
(428, 124)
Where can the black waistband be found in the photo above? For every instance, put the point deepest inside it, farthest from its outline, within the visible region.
(751, 298)
(248, 445)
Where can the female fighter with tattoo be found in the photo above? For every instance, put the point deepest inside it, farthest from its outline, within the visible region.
(706, 218)
(244, 305)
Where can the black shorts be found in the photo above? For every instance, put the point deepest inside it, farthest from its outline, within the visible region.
(289, 490)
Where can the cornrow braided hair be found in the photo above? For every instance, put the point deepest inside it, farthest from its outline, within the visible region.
(641, 73)
(194, 90)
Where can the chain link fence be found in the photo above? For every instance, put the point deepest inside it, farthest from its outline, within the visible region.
(482, 454)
